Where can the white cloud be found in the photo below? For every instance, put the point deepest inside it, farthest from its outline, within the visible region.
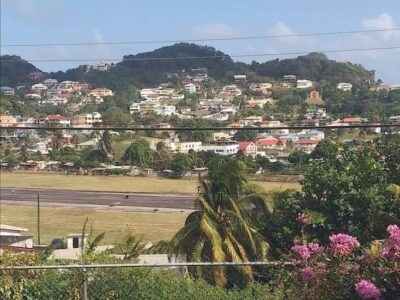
(281, 28)
(214, 30)
(383, 21)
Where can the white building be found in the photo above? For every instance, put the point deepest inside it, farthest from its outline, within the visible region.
(50, 82)
(184, 147)
(222, 148)
(54, 101)
(304, 84)
(190, 88)
(7, 91)
(240, 78)
(344, 86)
(67, 85)
(8, 230)
(39, 88)
(165, 110)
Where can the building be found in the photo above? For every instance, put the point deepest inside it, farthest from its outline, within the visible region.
(87, 119)
(222, 147)
(50, 82)
(353, 121)
(184, 147)
(306, 145)
(248, 148)
(221, 136)
(92, 144)
(101, 92)
(67, 85)
(271, 143)
(289, 78)
(55, 100)
(310, 122)
(11, 239)
(304, 84)
(314, 99)
(344, 86)
(58, 119)
(39, 88)
(8, 121)
(7, 91)
(264, 87)
(165, 110)
(190, 88)
(240, 78)
(33, 96)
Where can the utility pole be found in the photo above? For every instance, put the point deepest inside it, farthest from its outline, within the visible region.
(38, 218)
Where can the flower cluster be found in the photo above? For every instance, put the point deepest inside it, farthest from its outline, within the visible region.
(367, 290)
(392, 247)
(303, 219)
(343, 244)
(306, 274)
(306, 250)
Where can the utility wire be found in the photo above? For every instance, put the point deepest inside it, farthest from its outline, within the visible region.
(202, 57)
(202, 40)
(131, 128)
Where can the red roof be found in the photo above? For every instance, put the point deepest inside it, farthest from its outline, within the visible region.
(268, 141)
(352, 120)
(244, 145)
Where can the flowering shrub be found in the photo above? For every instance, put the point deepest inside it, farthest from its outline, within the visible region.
(343, 244)
(367, 290)
(345, 270)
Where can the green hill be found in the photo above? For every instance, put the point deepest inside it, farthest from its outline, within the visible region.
(151, 68)
(14, 70)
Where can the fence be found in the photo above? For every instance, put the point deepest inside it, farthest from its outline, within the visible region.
(127, 281)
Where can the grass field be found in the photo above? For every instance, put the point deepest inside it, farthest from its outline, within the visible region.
(58, 222)
(115, 183)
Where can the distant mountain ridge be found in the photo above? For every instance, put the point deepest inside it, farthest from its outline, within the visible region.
(143, 70)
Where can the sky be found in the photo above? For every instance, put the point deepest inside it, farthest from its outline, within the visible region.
(73, 21)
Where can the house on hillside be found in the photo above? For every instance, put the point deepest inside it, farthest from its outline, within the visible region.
(248, 148)
(7, 91)
(306, 145)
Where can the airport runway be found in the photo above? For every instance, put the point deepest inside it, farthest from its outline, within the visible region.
(99, 198)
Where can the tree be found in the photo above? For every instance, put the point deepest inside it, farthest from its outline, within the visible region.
(116, 117)
(298, 157)
(225, 226)
(24, 152)
(324, 149)
(246, 135)
(105, 143)
(139, 153)
(181, 163)
(11, 160)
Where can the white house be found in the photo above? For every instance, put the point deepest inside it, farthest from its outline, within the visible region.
(240, 78)
(222, 148)
(50, 82)
(190, 88)
(165, 110)
(39, 87)
(8, 230)
(304, 84)
(184, 147)
(7, 91)
(344, 86)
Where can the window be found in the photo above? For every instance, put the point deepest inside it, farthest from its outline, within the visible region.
(75, 242)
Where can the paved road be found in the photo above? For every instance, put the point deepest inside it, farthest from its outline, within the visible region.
(99, 198)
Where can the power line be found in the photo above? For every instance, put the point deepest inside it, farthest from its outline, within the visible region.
(132, 128)
(203, 57)
(238, 38)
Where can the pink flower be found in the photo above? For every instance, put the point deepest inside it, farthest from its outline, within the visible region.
(307, 274)
(367, 290)
(393, 245)
(343, 244)
(315, 247)
(303, 219)
(302, 250)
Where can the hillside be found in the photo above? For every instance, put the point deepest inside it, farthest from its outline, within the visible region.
(316, 67)
(147, 69)
(14, 70)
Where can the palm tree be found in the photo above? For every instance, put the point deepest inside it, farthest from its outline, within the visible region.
(224, 228)
(105, 143)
